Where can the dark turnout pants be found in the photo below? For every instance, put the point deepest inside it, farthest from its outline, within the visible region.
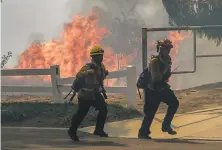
(83, 108)
(152, 103)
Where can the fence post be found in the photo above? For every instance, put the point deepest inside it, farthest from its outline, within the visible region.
(56, 94)
(131, 86)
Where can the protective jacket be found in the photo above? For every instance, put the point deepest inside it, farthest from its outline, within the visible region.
(160, 72)
(93, 76)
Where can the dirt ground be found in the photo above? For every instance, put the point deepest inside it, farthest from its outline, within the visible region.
(190, 100)
(51, 139)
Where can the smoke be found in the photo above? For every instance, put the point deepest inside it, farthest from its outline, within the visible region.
(125, 20)
(35, 37)
(208, 70)
(22, 18)
(26, 21)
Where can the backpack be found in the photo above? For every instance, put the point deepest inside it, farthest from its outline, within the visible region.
(144, 78)
(79, 83)
(76, 85)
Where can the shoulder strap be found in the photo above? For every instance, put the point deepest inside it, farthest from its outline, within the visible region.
(146, 70)
(90, 65)
(155, 57)
(103, 66)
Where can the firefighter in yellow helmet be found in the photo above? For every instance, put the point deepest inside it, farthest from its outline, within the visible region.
(158, 90)
(93, 74)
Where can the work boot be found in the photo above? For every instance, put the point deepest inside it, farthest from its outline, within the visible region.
(144, 135)
(140, 136)
(100, 133)
(169, 130)
(73, 135)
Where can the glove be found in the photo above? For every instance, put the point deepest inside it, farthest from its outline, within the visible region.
(90, 72)
(167, 76)
(106, 72)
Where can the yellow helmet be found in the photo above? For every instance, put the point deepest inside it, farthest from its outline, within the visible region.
(96, 50)
(165, 43)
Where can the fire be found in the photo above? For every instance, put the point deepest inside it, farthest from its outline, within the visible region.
(176, 38)
(71, 50)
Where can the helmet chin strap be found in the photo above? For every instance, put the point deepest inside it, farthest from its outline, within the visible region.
(96, 61)
(163, 59)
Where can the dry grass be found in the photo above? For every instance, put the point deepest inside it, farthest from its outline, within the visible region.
(190, 100)
(36, 110)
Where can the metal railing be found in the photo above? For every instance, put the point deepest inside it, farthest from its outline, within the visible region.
(183, 28)
(193, 28)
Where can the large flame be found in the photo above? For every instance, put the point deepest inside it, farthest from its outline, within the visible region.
(176, 38)
(71, 51)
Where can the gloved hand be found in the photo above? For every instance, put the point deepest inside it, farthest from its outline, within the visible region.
(106, 72)
(167, 76)
(90, 72)
(93, 66)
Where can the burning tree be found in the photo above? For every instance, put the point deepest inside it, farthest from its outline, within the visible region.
(71, 49)
(122, 20)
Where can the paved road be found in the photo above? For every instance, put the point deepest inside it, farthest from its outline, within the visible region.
(57, 139)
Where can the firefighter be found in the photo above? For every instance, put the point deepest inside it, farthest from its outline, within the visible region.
(93, 74)
(158, 90)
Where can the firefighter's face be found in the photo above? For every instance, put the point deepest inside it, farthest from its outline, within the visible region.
(97, 58)
(165, 51)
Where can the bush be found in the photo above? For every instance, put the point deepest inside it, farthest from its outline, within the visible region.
(57, 115)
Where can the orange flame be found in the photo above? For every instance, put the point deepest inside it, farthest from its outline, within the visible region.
(176, 37)
(71, 51)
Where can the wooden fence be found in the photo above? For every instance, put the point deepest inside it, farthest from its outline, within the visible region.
(59, 85)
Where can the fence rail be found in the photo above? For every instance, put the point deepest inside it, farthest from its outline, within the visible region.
(59, 85)
(25, 72)
(31, 89)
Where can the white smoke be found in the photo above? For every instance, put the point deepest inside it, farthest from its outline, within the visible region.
(24, 17)
(208, 70)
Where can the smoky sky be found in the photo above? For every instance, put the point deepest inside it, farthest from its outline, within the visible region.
(25, 21)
